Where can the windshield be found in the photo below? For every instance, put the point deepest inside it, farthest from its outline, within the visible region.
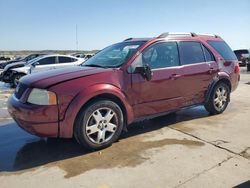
(33, 60)
(114, 55)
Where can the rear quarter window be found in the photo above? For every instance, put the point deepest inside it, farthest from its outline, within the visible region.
(63, 59)
(223, 49)
(208, 55)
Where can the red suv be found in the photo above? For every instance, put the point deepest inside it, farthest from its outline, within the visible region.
(133, 79)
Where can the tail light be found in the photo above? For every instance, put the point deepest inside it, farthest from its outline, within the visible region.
(237, 68)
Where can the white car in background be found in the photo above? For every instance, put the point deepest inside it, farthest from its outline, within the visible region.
(13, 72)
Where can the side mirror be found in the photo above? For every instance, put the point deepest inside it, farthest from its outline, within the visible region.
(35, 64)
(145, 71)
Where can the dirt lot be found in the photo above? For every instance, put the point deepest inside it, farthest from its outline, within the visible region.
(189, 149)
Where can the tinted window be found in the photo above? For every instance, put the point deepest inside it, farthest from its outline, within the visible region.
(191, 52)
(223, 49)
(66, 59)
(47, 60)
(208, 55)
(161, 55)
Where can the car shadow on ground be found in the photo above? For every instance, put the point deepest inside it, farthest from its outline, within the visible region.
(20, 150)
(244, 185)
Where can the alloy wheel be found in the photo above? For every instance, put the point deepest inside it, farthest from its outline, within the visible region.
(101, 125)
(220, 98)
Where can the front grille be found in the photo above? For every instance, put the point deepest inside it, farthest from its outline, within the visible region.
(20, 89)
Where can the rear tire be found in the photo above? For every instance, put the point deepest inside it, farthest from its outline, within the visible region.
(248, 66)
(219, 99)
(99, 124)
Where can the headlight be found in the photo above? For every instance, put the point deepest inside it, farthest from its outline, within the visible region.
(42, 97)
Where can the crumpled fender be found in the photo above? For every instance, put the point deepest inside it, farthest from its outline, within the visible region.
(67, 124)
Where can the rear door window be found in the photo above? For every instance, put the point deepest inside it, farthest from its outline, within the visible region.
(191, 52)
(223, 49)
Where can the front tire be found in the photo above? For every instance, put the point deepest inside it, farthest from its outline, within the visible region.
(99, 124)
(219, 99)
(16, 79)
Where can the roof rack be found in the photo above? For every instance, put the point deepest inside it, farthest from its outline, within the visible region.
(134, 39)
(184, 34)
(209, 35)
(128, 39)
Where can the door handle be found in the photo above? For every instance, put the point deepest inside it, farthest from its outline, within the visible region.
(175, 76)
(211, 70)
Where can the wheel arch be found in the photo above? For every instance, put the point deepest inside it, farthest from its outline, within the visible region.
(227, 82)
(106, 96)
(217, 80)
(86, 97)
(14, 74)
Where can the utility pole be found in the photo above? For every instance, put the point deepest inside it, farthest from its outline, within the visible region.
(76, 39)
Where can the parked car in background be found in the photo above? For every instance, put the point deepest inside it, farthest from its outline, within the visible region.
(22, 60)
(248, 64)
(13, 72)
(243, 55)
(2, 58)
(84, 56)
(130, 80)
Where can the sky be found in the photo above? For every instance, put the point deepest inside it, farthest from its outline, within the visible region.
(51, 24)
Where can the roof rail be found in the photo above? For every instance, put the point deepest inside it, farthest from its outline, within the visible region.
(184, 34)
(128, 39)
(209, 35)
(176, 34)
(135, 39)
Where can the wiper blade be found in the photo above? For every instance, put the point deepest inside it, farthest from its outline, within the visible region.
(93, 65)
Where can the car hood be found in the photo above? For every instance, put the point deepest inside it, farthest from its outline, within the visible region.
(46, 79)
(14, 65)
